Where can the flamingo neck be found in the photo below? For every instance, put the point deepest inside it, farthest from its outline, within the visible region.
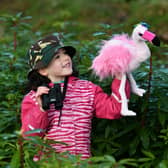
(143, 52)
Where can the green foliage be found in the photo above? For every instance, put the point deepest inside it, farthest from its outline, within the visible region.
(17, 20)
(139, 141)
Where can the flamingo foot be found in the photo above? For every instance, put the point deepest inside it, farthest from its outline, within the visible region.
(128, 113)
(139, 91)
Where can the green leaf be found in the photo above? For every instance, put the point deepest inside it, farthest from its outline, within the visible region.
(128, 161)
(133, 145)
(163, 164)
(144, 159)
(107, 132)
(99, 33)
(34, 131)
(15, 162)
(110, 158)
(27, 18)
(97, 158)
(105, 26)
(148, 154)
(162, 118)
(18, 15)
(144, 135)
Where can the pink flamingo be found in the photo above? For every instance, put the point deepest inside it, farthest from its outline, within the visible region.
(123, 54)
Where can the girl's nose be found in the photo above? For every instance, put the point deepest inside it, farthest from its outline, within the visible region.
(65, 57)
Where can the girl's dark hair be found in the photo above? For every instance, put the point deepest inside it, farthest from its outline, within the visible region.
(35, 79)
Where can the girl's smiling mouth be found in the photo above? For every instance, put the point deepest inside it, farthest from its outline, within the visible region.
(67, 65)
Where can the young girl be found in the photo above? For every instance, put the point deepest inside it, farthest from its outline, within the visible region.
(75, 102)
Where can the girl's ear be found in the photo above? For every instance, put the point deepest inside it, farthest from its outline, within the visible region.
(43, 72)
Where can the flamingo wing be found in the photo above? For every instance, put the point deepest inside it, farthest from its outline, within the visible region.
(114, 56)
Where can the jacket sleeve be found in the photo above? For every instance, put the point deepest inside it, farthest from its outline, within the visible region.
(106, 106)
(32, 117)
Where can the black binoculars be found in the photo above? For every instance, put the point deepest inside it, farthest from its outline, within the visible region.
(54, 97)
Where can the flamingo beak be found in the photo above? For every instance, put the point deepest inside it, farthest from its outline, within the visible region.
(156, 41)
(151, 37)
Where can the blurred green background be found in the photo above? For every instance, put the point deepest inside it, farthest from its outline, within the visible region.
(83, 17)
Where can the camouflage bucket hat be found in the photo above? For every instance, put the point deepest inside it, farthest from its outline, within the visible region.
(41, 53)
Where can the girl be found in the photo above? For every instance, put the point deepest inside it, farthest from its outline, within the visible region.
(72, 102)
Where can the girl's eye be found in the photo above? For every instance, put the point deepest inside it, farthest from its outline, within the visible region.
(57, 56)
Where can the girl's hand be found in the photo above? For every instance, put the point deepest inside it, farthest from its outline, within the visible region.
(118, 76)
(40, 91)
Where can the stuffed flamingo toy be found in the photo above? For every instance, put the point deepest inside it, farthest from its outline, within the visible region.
(122, 55)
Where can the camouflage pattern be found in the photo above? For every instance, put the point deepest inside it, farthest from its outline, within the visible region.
(41, 53)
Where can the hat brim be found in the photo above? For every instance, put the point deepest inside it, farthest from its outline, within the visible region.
(71, 51)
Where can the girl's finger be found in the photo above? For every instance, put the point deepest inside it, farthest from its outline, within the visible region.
(42, 90)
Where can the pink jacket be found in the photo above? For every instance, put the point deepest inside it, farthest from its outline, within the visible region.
(83, 101)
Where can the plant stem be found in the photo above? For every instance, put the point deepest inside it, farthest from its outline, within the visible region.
(148, 92)
(14, 40)
(149, 80)
(20, 143)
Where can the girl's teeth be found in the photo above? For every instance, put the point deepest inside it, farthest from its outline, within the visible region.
(67, 65)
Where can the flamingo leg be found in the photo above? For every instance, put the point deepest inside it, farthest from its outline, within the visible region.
(124, 102)
(134, 87)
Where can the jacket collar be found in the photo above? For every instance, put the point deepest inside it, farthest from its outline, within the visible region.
(72, 79)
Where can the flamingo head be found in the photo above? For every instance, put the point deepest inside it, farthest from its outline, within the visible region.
(141, 33)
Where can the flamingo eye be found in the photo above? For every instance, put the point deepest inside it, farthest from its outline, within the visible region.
(140, 34)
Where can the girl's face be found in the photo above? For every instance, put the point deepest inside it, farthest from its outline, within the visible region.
(60, 66)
